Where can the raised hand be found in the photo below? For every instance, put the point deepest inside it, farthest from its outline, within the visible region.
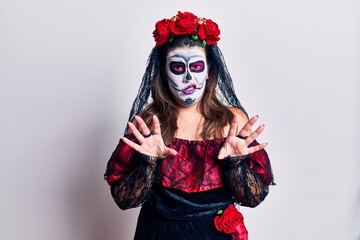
(150, 143)
(235, 146)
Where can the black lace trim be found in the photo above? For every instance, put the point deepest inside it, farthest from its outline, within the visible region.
(135, 188)
(247, 186)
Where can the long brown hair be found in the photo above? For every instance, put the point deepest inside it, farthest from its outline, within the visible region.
(164, 106)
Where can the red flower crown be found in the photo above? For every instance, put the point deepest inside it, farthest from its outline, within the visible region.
(186, 24)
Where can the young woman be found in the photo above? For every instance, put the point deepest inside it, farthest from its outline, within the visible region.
(189, 156)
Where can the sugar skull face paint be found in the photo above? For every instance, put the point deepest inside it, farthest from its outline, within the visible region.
(187, 71)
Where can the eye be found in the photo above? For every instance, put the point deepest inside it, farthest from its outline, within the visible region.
(197, 66)
(177, 68)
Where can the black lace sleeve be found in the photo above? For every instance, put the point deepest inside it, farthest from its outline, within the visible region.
(247, 186)
(134, 189)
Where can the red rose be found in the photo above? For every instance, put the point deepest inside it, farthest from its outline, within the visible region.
(228, 220)
(209, 31)
(162, 32)
(185, 23)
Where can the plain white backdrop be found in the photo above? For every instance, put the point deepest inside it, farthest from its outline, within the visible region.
(69, 71)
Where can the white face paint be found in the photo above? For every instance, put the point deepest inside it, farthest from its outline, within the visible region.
(187, 71)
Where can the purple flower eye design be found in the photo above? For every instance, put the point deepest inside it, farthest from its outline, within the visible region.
(177, 68)
(197, 66)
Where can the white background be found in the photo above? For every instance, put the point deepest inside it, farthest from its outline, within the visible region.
(69, 71)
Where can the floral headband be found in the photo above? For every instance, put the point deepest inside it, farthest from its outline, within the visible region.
(186, 24)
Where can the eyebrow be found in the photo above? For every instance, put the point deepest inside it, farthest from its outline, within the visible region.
(185, 57)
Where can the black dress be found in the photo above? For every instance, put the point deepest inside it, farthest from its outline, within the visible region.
(181, 195)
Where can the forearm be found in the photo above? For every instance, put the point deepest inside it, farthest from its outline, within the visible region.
(246, 185)
(135, 188)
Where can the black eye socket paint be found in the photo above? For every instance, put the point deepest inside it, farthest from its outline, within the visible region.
(177, 68)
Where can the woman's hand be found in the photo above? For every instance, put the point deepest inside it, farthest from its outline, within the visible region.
(150, 143)
(235, 146)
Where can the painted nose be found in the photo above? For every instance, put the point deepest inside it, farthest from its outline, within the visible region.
(188, 76)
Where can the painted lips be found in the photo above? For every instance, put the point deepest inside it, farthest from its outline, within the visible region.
(189, 89)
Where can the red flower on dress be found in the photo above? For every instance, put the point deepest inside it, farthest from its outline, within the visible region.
(186, 23)
(228, 220)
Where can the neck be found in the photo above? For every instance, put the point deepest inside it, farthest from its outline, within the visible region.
(189, 122)
(187, 111)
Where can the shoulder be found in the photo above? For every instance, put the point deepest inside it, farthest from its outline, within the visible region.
(242, 120)
(243, 116)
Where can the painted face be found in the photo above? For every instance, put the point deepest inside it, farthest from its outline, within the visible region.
(187, 72)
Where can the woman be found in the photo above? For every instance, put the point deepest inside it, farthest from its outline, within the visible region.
(189, 156)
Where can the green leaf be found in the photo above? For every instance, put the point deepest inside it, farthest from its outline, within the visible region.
(195, 37)
(204, 43)
(171, 39)
(220, 212)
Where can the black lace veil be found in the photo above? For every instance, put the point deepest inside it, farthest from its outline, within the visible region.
(225, 88)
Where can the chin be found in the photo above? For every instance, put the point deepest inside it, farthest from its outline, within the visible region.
(187, 102)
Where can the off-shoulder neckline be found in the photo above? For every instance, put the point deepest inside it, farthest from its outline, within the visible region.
(190, 141)
(194, 141)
